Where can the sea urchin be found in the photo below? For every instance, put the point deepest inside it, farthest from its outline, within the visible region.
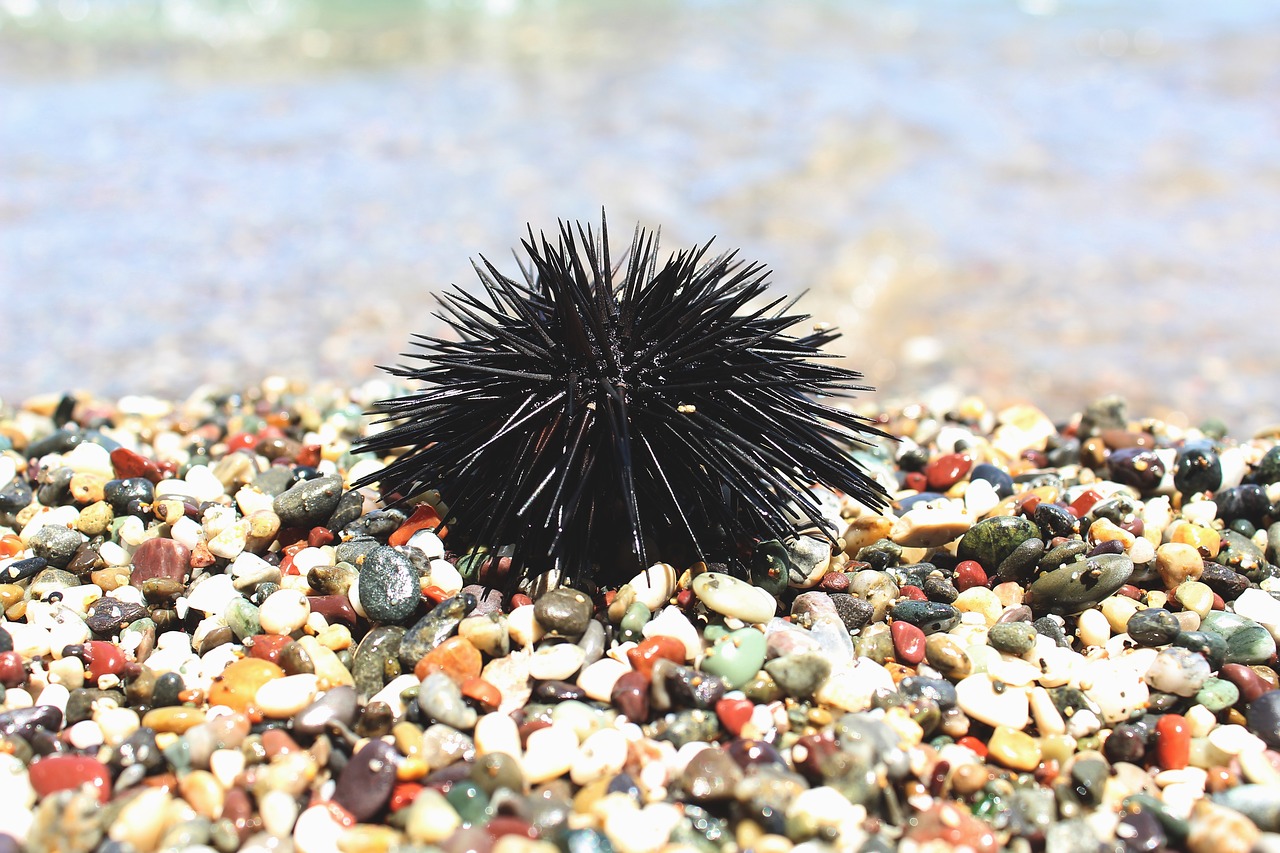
(592, 417)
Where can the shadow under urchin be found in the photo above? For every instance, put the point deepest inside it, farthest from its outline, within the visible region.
(594, 418)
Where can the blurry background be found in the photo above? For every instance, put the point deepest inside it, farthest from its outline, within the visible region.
(1043, 200)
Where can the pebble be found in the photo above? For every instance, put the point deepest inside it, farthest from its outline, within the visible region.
(250, 645)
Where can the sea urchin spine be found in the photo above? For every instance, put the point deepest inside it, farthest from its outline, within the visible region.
(592, 417)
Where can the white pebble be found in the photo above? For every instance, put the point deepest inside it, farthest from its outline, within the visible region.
(317, 831)
(601, 755)
(980, 498)
(63, 516)
(284, 697)
(654, 586)
(116, 724)
(1200, 512)
(1260, 607)
(212, 595)
(670, 622)
(284, 611)
(443, 574)
(549, 753)
(730, 596)
(1234, 464)
(497, 732)
(930, 525)
(523, 628)
(55, 696)
(557, 662)
(1117, 690)
(29, 640)
(310, 558)
(251, 500)
(226, 765)
(230, 542)
(598, 679)
(113, 555)
(992, 702)
(279, 811)
(186, 532)
(1092, 627)
(85, 735)
(1236, 740)
(1048, 718)
(428, 543)
(78, 598)
(644, 830)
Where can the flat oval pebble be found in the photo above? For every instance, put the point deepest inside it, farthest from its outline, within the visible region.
(1077, 586)
(729, 596)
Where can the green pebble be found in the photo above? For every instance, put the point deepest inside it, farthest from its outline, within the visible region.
(1218, 694)
(242, 618)
(1250, 644)
(633, 622)
(736, 657)
(1015, 638)
(770, 567)
(470, 802)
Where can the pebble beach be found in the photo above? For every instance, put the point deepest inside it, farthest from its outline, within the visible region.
(1062, 636)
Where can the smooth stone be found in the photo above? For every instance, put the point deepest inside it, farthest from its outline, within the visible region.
(388, 586)
(736, 657)
(992, 540)
(1015, 638)
(54, 773)
(930, 526)
(456, 657)
(337, 704)
(931, 617)
(1217, 694)
(730, 596)
(993, 702)
(908, 642)
(308, 503)
(284, 697)
(1264, 718)
(947, 656)
(549, 753)
(1014, 749)
(563, 612)
(487, 633)
(238, 684)
(442, 701)
(801, 674)
(1179, 671)
(1153, 626)
(711, 776)
(1080, 585)
(556, 662)
(284, 611)
(365, 784)
(1198, 469)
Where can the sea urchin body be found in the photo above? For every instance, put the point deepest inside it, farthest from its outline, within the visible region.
(594, 417)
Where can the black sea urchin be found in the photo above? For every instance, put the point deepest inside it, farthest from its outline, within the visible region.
(591, 417)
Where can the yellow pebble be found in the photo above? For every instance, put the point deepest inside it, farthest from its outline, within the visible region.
(1014, 749)
(979, 599)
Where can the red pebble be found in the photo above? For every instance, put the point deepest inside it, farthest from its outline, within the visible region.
(1085, 502)
(908, 642)
(424, 518)
(969, 574)
(1026, 504)
(403, 794)
(913, 593)
(55, 773)
(648, 651)
(1173, 742)
(1218, 603)
(242, 441)
(129, 464)
(501, 825)
(12, 672)
(947, 470)
(309, 455)
(520, 600)
(952, 825)
(684, 599)
(319, 536)
(435, 594)
(267, 646)
(11, 546)
(1130, 591)
(734, 713)
(101, 658)
(1250, 684)
(915, 481)
(974, 745)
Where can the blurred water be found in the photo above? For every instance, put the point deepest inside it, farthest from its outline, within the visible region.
(1042, 201)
